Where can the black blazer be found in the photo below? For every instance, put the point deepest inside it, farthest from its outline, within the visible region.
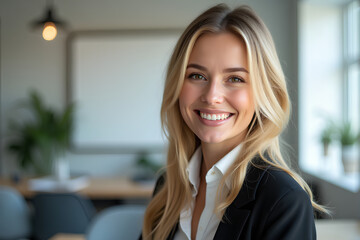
(270, 206)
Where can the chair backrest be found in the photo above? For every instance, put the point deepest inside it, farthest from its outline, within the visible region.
(61, 212)
(119, 222)
(15, 219)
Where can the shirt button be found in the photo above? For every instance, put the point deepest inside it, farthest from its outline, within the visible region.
(213, 172)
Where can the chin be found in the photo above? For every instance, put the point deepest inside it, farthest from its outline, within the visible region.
(211, 139)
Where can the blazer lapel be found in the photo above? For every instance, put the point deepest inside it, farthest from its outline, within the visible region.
(237, 213)
(232, 227)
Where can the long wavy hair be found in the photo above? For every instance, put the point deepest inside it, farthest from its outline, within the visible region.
(272, 110)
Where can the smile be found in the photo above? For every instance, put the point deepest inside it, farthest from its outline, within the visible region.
(214, 117)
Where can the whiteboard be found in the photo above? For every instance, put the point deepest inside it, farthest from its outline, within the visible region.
(116, 81)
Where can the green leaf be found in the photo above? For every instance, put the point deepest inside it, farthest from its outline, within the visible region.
(347, 135)
(39, 140)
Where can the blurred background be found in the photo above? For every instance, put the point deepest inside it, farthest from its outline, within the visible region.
(80, 110)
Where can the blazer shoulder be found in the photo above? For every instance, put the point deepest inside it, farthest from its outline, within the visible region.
(277, 187)
(265, 182)
(289, 212)
(278, 181)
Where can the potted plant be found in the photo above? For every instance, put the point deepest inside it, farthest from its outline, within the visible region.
(349, 140)
(327, 136)
(146, 168)
(39, 142)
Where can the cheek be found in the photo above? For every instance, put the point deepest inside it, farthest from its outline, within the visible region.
(187, 96)
(243, 100)
(186, 99)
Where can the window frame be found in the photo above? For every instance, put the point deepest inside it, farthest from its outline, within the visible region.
(348, 60)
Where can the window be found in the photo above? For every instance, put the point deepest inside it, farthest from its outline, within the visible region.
(329, 84)
(352, 62)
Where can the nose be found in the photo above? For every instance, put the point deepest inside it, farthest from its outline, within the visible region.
(213, 93)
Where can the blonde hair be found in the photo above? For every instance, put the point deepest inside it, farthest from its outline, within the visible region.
(272, 110)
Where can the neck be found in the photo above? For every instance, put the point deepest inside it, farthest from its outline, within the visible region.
(212, 153)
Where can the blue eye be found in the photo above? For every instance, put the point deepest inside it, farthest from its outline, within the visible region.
(196, 76)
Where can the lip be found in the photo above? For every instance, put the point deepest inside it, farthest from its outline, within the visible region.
(213, 123)
(212, 111)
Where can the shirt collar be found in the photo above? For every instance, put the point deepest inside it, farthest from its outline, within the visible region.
(216, 172)
(193, 169)
(224, 164)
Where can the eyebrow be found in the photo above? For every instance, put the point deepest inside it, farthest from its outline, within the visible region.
(227, 70)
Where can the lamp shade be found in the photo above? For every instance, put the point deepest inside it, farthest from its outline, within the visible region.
(49, 24)
(49, 17)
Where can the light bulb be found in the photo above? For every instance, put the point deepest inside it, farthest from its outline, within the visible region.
(49, 32)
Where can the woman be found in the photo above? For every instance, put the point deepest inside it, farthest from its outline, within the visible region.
(225, 104)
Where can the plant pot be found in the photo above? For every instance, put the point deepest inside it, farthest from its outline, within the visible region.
(61, 169)
(350, 158)
(326, 149)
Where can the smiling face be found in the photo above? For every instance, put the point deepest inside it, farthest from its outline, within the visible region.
(216, 99)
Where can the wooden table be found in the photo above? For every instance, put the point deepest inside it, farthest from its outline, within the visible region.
(98, 188)
(67, 236)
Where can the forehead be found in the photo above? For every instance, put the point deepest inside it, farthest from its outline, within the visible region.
(223, 48)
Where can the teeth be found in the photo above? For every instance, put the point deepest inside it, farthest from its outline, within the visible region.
(214, 117)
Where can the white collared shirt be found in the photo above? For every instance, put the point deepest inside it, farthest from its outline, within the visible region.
(208, 222)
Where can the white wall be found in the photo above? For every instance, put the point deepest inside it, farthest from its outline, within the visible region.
(28, 62)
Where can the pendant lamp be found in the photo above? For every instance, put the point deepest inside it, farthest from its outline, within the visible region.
(49, 23)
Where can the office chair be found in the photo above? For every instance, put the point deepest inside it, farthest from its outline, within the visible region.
(61, 213)
(15, 219)
(119, 222)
